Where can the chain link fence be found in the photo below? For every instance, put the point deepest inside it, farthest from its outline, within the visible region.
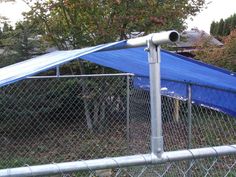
(216, 166)
(47, 120)
(68, 118)
(208, 126)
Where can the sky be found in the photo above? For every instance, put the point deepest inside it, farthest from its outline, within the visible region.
(13, 11)
(216, 10)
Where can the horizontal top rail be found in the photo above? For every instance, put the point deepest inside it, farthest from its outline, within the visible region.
(84, 75)
(119, 162)
(128, 74)
(156, 38)
(163, 37)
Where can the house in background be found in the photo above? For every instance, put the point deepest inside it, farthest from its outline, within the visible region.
(191, 39)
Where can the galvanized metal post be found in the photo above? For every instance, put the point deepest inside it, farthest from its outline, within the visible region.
(189, 116)
(154, 60)
(189, 145)
(58, 71)
(127, 109)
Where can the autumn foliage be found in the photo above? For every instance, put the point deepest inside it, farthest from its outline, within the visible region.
(80, 23)
(224, 57)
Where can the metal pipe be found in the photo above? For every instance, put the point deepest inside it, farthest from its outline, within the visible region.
(163, 37)
(153, 42)
(156, 38)
(189, 116)
(118, 162)
(189, 145)
(127, 109)
(154, 60)
(58, 71)
(87, 75)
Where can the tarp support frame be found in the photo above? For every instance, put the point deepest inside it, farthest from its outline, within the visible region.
(154, 60)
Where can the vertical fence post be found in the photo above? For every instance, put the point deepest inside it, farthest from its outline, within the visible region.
(128, 109)
(189, 116)
(155, 94)
(58, 71)
(189, 145)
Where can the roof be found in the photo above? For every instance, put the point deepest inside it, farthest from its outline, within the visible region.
(205, 78)
(194, 36)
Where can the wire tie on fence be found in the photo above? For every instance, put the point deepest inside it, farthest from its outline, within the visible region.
(89, 169)
(86, 165)
(31, 171)
(189, 150)
(217, 154)
(58, 168)
(118, 165)
(146, 162)
(193, 161)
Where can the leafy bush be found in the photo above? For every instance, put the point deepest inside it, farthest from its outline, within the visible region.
(224, 57)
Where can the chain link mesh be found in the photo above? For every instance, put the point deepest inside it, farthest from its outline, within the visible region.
(215, 166)
(63, 119)
(47, 120)
(209, 126)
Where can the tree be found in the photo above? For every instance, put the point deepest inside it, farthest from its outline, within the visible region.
(226, 28)
(213, 28)
(0, 32)
(223, 57)
(233, 22)
(6, 27)
(70, 24)
(75, 24)
(220, 27)
(223, 27)
(19, 43)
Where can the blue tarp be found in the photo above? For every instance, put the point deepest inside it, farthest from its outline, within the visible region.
(211, 86)
(21, 70)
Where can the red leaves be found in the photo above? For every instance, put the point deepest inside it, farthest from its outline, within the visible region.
(157, 20)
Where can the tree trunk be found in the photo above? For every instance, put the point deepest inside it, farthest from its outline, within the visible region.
(95, 112)
(85, 100)
(102, 116)
(87, 115)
